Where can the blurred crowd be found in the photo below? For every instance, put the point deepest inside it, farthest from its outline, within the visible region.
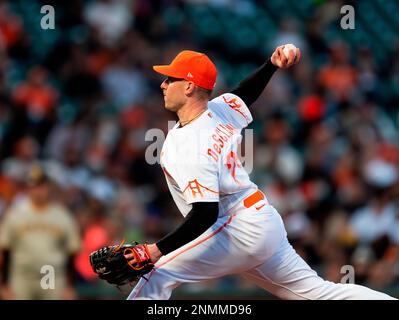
(79, 100)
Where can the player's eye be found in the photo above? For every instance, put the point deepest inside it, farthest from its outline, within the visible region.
(170, 80)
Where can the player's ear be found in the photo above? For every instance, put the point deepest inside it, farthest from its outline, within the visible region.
(190, 88)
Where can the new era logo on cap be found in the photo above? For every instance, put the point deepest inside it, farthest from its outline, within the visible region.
(189, 75)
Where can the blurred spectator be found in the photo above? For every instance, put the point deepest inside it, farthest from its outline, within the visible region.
(368, 79)
(37, 232)
(10, 27)
(339, 77)
(111, 18)
(98, 231)
(36, 95)
(277, 157)
(37, 99)
(289, 33)
(26, 152)
(124, 82)
(374, 220)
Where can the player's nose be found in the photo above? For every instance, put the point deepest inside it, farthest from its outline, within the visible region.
(164, 85)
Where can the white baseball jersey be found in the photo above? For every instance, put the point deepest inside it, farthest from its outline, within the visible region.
(201, 164)
(200, 160)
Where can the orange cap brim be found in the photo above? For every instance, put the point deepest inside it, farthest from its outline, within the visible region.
(167, 70)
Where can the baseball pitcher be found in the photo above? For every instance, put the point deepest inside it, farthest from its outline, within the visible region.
(229, 227)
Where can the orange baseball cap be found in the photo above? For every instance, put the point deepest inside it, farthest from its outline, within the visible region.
(191, 66)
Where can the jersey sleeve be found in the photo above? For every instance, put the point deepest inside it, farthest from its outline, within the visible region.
(234, 109)
(198, 180)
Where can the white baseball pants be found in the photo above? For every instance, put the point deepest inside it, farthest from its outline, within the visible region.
(252, 242)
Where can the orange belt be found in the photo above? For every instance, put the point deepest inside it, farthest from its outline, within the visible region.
(253, 198)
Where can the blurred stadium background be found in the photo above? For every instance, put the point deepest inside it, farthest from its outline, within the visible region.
(80, 98)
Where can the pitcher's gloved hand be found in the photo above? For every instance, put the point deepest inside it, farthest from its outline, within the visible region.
(111, 264)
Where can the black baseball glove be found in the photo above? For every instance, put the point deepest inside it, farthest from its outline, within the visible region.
(111, 265)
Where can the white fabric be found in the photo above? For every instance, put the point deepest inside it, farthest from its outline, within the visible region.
(251, 241)
(200, 160)
(368, 224)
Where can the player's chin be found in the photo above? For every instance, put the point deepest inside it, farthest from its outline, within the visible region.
(169, 107)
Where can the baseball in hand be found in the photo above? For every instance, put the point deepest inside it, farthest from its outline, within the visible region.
(288, 48)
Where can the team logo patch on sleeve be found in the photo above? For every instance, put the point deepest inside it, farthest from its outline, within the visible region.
(197, 189)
